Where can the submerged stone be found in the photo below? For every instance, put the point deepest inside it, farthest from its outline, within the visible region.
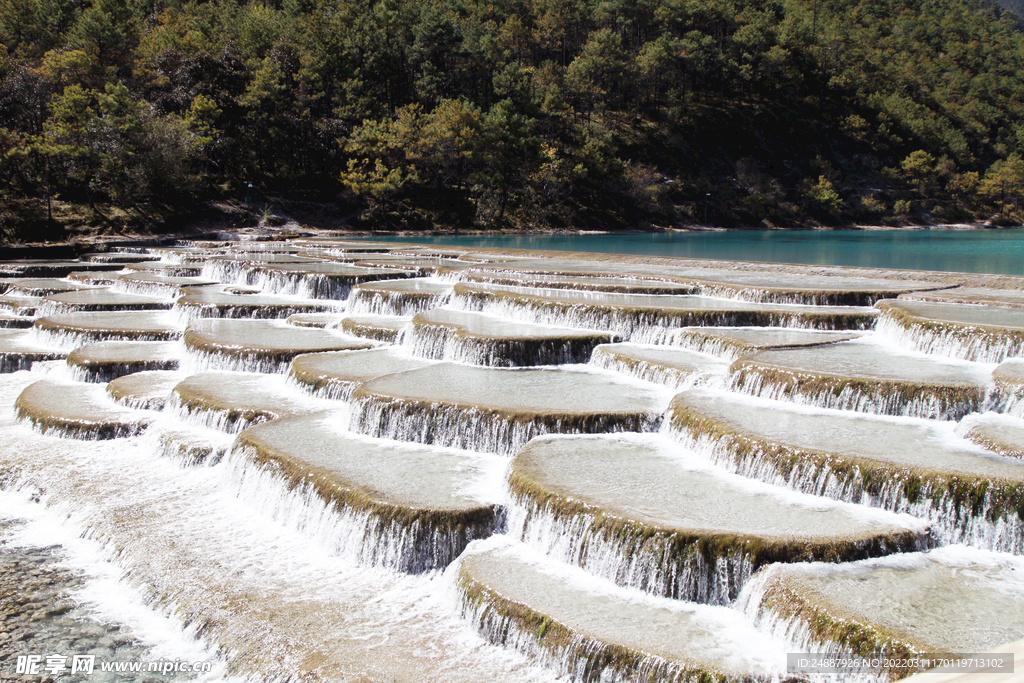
(400, 505)
(101, 300)
(341, 246)
(352, 257)
(258, 244)
(19, 350)
(384, 328)
(863, 377)
(121, 257)
(629, 509)
(260, 345)
(146, 390)
(734, 342)
(444, 334)
(815, 290)
(79, 411)
(194, 446)
(499, 409)
(212, 303)
(70, 330)
(642, 316)
(182, 255)
(233, 401)
(659, 364)
(426, 265)
(263, 243)
(981, 333)
(399, 297)
(969, 495)
(336, 375)
(595, 631)
(108, 360)
(948, 600)
(256, 257)
(768, 286)
(240, 267)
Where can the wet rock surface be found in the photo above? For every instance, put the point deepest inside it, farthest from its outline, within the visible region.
(575, 563)
(40, 616)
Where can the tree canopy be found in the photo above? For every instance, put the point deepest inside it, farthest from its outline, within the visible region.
(517, 113)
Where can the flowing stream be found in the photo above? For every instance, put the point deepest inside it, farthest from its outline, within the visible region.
(572, 481)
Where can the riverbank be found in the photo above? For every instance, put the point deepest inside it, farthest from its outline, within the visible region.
(74, 231)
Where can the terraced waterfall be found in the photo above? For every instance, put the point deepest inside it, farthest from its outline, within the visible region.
(321, 459)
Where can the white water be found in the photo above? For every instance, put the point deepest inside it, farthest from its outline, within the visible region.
(218, 549)
(950, 523)
(950, 341)
(104, 594)
(376, 301)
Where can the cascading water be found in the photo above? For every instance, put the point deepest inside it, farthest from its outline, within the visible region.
(630, 561)
(990, 520)
(967, 339)
(400, 298)
(278, 569)
(475, 428)
(443, 334)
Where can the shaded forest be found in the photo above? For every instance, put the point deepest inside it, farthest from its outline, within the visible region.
(510, 114)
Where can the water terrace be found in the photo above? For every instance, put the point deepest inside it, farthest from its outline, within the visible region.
(323, 459)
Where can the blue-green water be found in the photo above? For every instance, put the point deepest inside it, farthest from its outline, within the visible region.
(969, 251)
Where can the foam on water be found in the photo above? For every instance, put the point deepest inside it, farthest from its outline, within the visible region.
(645, 318)
(276, 600)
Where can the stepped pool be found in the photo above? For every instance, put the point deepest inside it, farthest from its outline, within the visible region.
(340, 460)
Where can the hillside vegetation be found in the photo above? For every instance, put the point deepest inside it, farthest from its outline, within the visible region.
(511, 113)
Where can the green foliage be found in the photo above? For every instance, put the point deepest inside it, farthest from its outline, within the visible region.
(824, 197)
(582, 113)
(1005, 180)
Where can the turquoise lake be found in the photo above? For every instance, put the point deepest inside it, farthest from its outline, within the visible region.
(968, 251)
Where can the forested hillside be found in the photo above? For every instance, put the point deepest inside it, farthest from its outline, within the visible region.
(511, 113)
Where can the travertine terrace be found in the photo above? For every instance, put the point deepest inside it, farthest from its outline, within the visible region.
(384, 462)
